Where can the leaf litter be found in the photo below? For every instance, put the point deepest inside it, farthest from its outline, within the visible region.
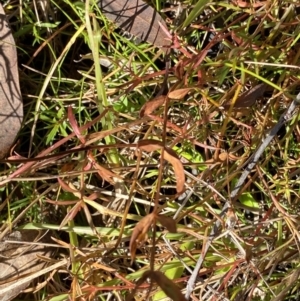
(20, 259)
(11, 102)
(138, 18)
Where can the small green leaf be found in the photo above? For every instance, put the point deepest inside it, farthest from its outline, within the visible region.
(52, 134)
(196, 11)
(62, 297)
(248, 200)
(174, 273)
(188, 245)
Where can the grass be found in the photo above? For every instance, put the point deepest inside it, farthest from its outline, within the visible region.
(80, 176)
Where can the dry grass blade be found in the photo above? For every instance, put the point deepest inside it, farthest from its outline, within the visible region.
(29, 278)
(291, 279)
(250, 164)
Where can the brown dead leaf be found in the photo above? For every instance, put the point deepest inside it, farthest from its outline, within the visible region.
(226, 157)
(223, 157)
(138, 283)
(74, 125)
(167, 285)
(150, 145)
(67, 167)
(65, 186)
(179, 94)
(104, 173)
(248, 98)
(19, 260)
(10, 97)
(140, 232)
(168, 223)
(71, 214)
(244, 4)
(152, 105)
(137, 18)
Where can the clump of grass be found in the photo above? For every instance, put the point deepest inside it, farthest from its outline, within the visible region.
(84, 181)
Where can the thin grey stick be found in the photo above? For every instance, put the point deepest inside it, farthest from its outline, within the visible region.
(250, 165)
